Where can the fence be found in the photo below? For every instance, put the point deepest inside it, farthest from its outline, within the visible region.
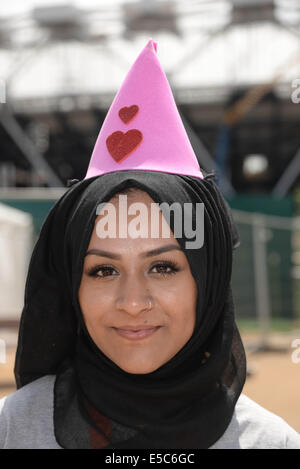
(266, 268)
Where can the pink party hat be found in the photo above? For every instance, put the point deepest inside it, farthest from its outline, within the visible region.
(143, 129)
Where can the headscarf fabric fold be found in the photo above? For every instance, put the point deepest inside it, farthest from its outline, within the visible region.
(186, 403)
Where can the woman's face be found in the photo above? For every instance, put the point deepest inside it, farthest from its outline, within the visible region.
(137, 295)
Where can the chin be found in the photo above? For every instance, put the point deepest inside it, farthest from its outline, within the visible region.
(138, 369)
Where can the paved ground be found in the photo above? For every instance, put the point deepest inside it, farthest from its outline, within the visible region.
(273, 382)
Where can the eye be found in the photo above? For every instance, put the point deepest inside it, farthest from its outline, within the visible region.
(102, 271)
(165, 268)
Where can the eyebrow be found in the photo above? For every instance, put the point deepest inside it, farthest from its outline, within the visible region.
(153, 252)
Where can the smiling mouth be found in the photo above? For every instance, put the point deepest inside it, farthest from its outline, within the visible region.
(136, 334)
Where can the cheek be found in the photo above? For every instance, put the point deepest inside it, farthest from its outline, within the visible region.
(94, 302)
(180, 303)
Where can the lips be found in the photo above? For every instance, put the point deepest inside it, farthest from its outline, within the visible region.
(137, 332)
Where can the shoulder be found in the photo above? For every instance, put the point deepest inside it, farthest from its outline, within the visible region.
(37, 390)
(27, 414)
(254, 427)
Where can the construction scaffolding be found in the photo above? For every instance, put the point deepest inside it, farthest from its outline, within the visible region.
(51, 113)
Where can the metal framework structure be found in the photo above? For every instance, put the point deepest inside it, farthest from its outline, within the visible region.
(112, 32)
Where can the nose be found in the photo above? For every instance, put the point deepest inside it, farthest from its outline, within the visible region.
(134, 296)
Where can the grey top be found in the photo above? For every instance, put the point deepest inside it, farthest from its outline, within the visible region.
(26, 422)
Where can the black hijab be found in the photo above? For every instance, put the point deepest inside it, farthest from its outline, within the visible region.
(189, 401)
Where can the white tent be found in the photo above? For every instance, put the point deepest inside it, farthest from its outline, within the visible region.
(16, 243)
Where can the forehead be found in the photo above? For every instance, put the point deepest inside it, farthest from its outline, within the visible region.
(131, 219)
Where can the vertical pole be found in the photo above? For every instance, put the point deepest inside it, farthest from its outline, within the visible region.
(2, 352)
(261, 278)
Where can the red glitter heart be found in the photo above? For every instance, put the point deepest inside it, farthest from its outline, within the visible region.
(126, 114)
(120, 145)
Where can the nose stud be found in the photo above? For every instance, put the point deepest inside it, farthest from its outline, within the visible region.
(150, 305)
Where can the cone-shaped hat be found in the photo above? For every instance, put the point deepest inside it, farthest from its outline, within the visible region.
(143, 129)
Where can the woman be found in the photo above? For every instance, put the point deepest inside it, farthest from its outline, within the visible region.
(128, 337)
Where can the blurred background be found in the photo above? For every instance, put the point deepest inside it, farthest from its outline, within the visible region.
(234, 68)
